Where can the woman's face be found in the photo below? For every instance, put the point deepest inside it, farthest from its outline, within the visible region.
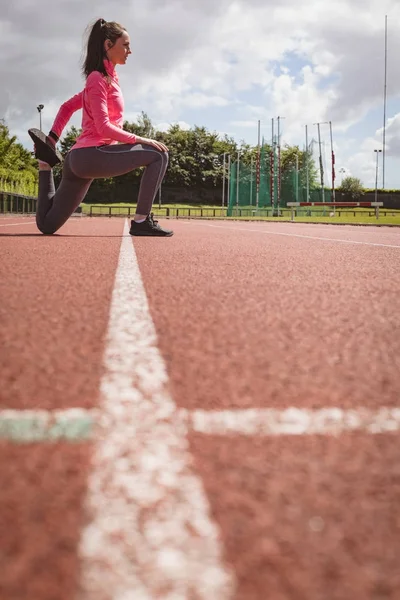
(118, 54)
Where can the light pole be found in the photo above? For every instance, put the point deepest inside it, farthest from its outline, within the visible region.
(376, 175)
(40, 107)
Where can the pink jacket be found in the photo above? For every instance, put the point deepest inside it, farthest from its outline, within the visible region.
(103, 107)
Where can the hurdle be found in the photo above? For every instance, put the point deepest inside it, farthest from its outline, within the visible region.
(376, 205)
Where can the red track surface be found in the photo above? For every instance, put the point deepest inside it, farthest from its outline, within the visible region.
(245, 319)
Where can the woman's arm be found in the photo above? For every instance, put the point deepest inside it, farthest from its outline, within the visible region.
(64, 114)
(96, 87)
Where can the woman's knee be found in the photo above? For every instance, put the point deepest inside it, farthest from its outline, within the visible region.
(45, 228)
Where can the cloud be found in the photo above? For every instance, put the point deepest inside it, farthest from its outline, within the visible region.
(166, 126)
(220, 64)
(392, 136)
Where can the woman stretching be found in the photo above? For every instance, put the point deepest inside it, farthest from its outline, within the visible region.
(97, 153)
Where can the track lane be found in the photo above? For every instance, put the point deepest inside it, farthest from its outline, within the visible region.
(247, 320)
(306, 518)
(42, 489)
(223, 306)
(54, 302)
(250, 320)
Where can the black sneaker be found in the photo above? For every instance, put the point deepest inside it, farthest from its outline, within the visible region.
(149, 227)
(44, 149)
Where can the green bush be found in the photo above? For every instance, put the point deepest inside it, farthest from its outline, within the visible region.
(352, 188)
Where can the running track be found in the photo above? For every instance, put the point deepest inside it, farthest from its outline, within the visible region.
(213, 416)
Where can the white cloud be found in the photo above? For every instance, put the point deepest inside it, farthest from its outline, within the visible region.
(219, 64)
(249, 124)
(166, 126)
(392, 136)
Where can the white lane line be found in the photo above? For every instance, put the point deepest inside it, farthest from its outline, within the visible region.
(19, 224)
(78, 424)
(293, 421)
(27, 426)
(149, 532)
(298, 235)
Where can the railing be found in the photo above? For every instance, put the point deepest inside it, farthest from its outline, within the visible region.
(17, 203)
(376, 205)
(99, 210)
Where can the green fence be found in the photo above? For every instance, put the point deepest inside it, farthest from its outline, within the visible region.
(273, 190)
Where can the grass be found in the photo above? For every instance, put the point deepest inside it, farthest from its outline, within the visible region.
(353, 216)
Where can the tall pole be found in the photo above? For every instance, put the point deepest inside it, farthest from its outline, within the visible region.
(272, 169)
(297, 177)
(307, 169)
(321, 166)
(251, 182)
(237, 182)
(223, 181)
(229, 182)
(384, 105)
(279, 162)
(376, 175)
(258, 165)
(333, 163)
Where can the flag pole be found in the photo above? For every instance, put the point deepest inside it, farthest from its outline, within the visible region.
(307, 169)
(333, 166)
(258, 166)
(384, 104)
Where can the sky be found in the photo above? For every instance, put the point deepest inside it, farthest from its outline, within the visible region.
(225, 65)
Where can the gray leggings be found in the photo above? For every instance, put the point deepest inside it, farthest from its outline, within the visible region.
(82, 165)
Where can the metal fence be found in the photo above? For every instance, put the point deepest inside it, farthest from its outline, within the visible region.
(17, 203)
(99, 210)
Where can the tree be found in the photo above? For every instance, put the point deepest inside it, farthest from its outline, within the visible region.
(143, 127)
(288, 162)
(69, 139)
(352, 188)
(18, 167)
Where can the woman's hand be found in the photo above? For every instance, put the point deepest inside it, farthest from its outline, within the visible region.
(158, 145)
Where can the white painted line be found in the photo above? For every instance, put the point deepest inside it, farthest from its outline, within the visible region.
(298, 235)
(77, 424)
(19, 224)
(27, 426)
(293, 421)
(149, 532)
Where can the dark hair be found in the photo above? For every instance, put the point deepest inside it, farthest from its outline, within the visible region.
(95, 54)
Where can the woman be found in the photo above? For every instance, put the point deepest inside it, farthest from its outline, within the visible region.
(97, 153)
